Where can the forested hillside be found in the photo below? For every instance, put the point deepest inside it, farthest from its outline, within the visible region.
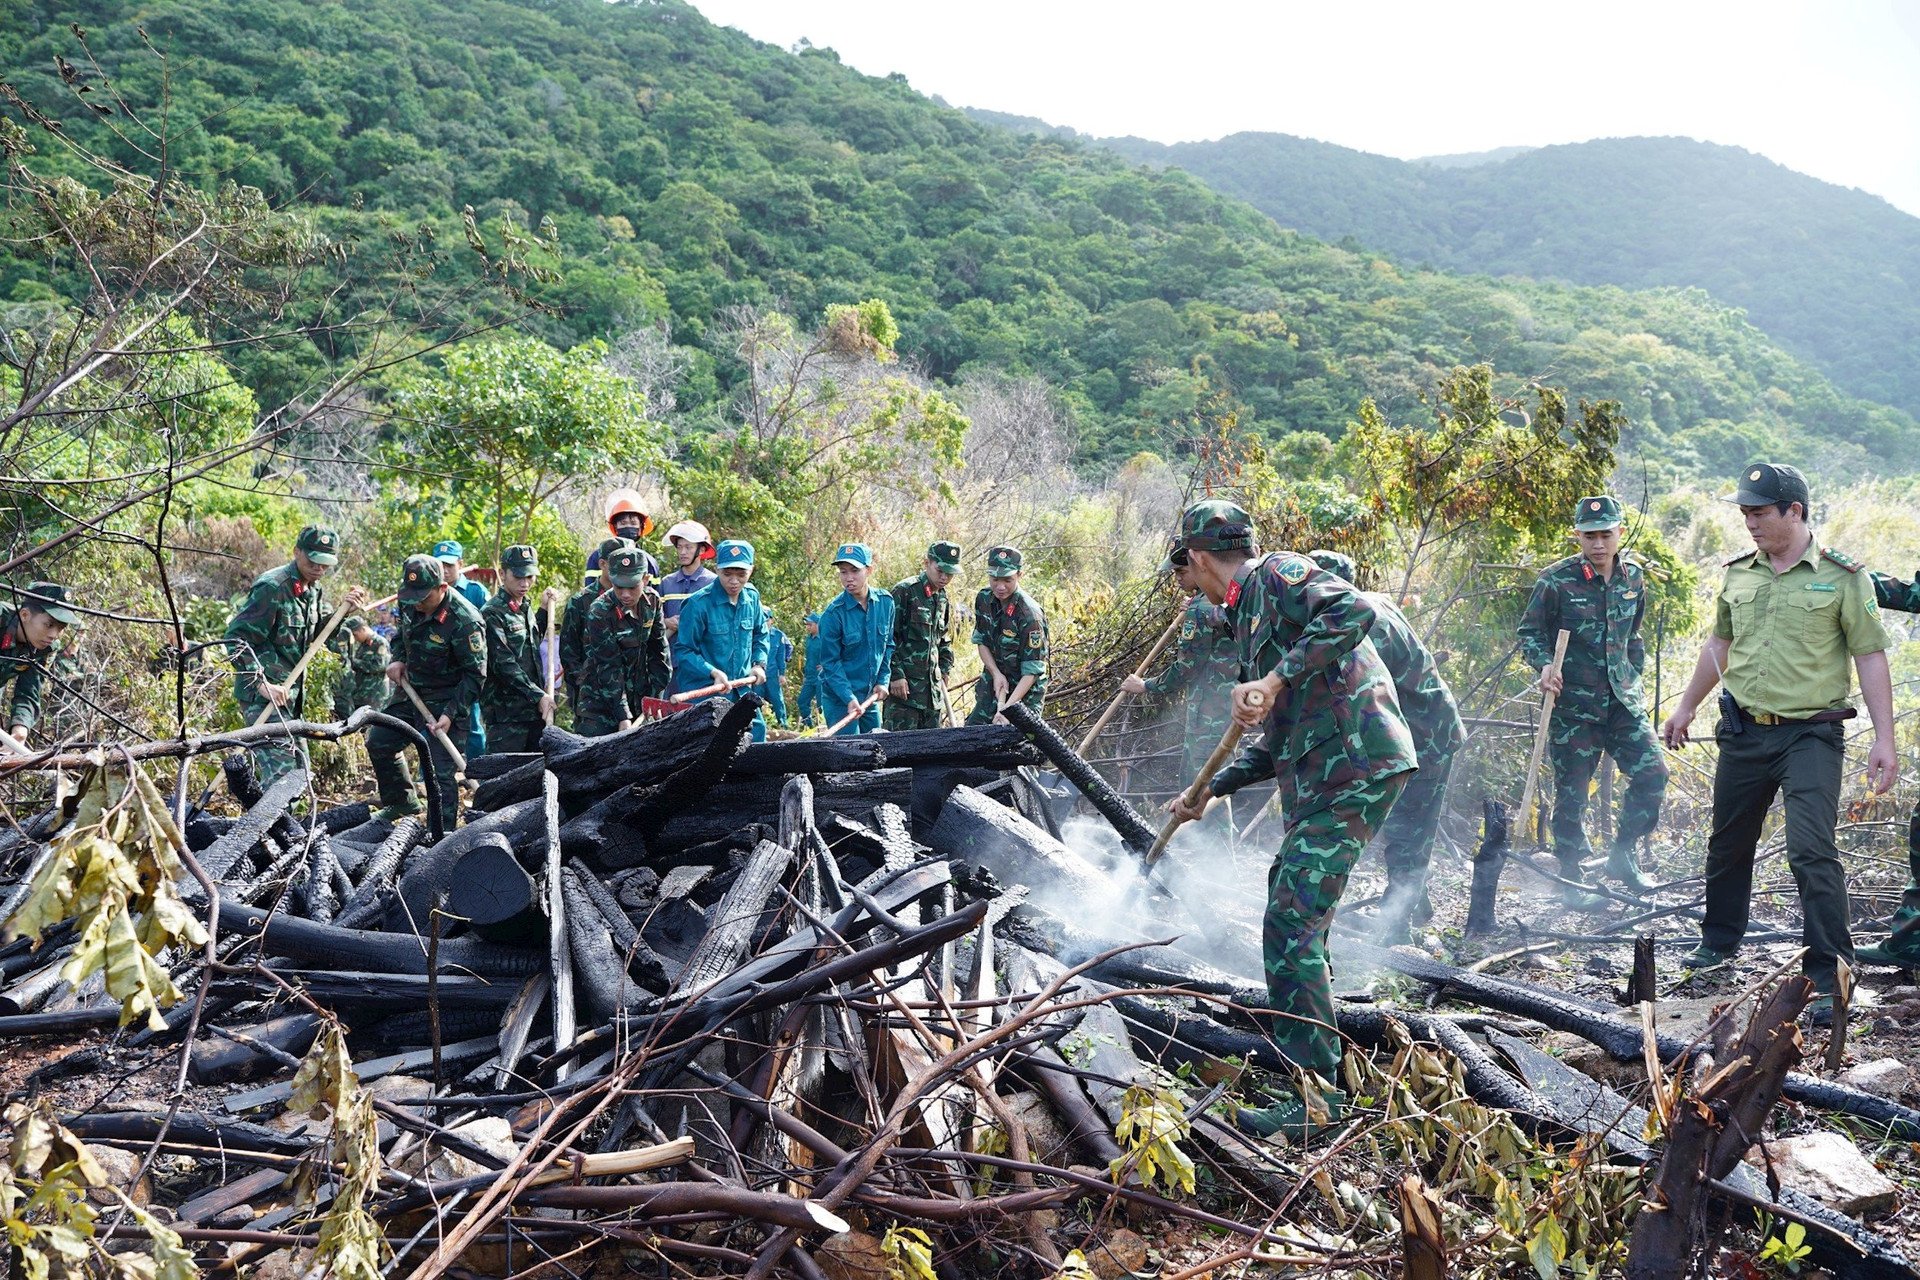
(1832, 274)
(683, 168)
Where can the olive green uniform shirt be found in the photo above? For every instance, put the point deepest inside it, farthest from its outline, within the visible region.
(1792, 633)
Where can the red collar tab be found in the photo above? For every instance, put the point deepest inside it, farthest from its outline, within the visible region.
(1586, 567)
(1233, 594)
(442, 615)
(927, 587)
(516, 605)
(299, 586)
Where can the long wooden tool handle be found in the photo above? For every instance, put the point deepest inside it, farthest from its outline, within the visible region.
(553, 656)
(1166, 638)
(1229, 743)
(1540, 735)
(426, 722)
(848, 718)
(722, 685)
(300, 667)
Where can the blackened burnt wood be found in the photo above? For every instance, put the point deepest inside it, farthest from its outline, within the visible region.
(223, 855)
(644, 964)
(429, 871)
(737, 802)
(381, 866)
(389, 991)
(601, 983)
(493, 893)
(987, 834)
(648, 753)
(495, 763)
(810, 755)
(1622, 1040)
(336, 948)
(216, 1061)
(731, 924)
(344, 817)
(981, 746)
(1133, 829)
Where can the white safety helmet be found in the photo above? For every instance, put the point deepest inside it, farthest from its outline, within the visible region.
(690, 531)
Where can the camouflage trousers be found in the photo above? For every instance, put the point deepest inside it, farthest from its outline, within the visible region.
(901, 716)
(277, 757)
(387, 749)
(1906, 921)
(1406, 838)
(986, 706)
(1309, 874)
(514, 736)
(1576, 743)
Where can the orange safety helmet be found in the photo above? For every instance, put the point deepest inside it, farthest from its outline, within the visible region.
(622, 501)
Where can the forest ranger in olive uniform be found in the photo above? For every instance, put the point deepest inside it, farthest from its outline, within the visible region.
(1789, 615)
(284, 609)
(626, 647)
(1901, 950)
(1599, 596)
(1335, 745)
(572, 639)
(1426, 704)
(443, 654)
(1205, 667)
(515, 702)
(923, 643)
(1010, 635)
(363, 668)
(28, 633)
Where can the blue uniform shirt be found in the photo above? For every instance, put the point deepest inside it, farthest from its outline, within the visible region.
(718, 637)
(854, 649)
(779, 654)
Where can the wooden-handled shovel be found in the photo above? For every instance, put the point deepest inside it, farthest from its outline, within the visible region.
(1540, 735)
(426, 722)
(846, 719)
(1229, 743)
(313, 649)
(1166, 638)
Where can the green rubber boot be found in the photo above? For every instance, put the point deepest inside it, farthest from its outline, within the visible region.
(1623, 864)
(1290, 1116)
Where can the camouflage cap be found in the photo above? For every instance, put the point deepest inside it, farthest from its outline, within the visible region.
(319, 544)
(353, 623)
(626, 566)
(1003, 561)
(1600, 511)
(520, 560)
(418, 577)
(1765, 483)
(52, 599)
(945, 555)
(734, 553)
(1176, 557)
(1337, 563)
(610, 545)
(1216, 524)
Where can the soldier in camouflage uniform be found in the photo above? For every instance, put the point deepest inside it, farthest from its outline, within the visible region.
(923, 643)
(1599, 596)
(1901, 950)
(1406, 841)
(1205, 667)
(443, 654)
(573, 624)
(514, 703)
(28, 633)
(268, 633)
(626, 647)
(1335, 745)
(1010, 635)
(363, 668)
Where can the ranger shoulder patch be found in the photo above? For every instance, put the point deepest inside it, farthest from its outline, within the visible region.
(476, 642)
(1842, 559)
(1294, 570)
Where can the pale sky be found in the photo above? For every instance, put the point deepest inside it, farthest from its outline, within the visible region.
(1830, 89)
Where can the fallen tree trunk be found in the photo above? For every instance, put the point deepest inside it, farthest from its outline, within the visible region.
(1112, 806)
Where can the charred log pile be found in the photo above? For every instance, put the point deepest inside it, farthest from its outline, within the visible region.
(757, 1009)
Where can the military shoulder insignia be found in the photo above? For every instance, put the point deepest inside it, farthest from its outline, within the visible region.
(1842, 559)
(476, 642)
(1294, 570)
(1186, 629)
(1034, 641)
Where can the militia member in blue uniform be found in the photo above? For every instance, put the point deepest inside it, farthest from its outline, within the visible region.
(28, 632)
(449, 555)
(723, 632)
(779, 654)
(626, 647)
(443, 654)
(515, 702)
(1598, 596)
(855, 643)
(1010, 635)
(1406, 840)
(1336, 746)
(809, 702)
(1790, 615)
(284, 610)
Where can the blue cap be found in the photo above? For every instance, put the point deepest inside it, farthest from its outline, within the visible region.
(854, 553)
(449, 551)
(733, 554)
